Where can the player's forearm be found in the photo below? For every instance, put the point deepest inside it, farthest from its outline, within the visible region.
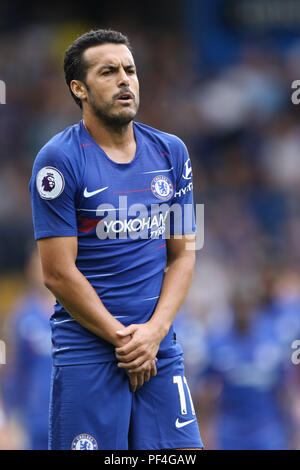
(82, 302)
(176, 283)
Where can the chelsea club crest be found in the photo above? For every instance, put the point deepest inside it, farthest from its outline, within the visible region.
(84, 442)
(162, 187)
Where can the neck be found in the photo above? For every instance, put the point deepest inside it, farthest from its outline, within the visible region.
(106, 134)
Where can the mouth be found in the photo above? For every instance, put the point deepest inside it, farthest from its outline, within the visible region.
(125, 97)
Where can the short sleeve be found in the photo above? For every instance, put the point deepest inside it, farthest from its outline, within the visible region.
(182, 217)
(53, 188)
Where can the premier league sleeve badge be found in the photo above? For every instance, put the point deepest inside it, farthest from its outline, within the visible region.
(50, 182)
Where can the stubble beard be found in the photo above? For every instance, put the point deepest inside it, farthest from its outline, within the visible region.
(106, 115)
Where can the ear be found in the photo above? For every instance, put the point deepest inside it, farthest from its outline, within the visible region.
(79, 89)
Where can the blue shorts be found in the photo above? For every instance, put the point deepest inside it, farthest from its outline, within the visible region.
(93, 408)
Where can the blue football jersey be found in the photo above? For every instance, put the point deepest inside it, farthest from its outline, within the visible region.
(122, 214)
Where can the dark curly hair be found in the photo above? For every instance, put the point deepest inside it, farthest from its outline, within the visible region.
(74, 66)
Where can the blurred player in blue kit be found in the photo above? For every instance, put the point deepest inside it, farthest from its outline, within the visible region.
(109, 195)
(249, 362)
(26, 380)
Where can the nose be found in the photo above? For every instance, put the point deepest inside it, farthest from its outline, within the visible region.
(123, 79)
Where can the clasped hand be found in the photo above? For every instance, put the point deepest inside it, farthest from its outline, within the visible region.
(138, 355)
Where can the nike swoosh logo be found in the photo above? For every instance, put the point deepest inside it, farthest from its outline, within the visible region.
(92, 193)
(180, 424)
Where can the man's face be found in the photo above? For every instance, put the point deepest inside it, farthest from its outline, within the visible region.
(112, 87)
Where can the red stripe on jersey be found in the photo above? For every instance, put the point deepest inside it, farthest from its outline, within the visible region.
(134, 191)
(87, 224)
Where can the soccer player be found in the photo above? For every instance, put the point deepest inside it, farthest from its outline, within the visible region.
(102, 192)
(26, 381)
(248, 362)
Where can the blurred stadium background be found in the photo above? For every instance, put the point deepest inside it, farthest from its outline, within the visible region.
(218, 74)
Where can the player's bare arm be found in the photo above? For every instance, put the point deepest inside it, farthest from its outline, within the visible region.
(146, 338)
(72, 289)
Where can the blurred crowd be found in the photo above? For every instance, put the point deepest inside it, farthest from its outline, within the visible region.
(242, 313)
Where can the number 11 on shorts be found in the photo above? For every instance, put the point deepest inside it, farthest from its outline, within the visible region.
(179, 380)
